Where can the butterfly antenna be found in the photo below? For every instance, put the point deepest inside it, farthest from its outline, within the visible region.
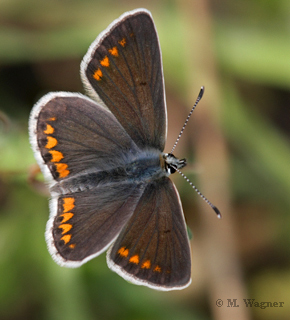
(190, 113)
(216, 210)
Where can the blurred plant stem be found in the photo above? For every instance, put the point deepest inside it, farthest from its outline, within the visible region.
(221, 262)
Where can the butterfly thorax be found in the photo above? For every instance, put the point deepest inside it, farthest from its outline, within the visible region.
(152, 164)
(147, 166)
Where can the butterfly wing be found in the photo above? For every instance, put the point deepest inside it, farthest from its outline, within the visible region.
(153, 248)
(72, 135)
(123, 70)
(83, 224)
(76, 142)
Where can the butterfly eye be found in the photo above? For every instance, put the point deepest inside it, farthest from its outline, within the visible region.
(171, 169)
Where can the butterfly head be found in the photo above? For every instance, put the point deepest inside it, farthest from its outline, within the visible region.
(172, 163)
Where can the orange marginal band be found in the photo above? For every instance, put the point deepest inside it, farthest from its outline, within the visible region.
(62, 169)
(51, 142)
(123, 252)
(134, 259)
(114, 51)
(56, 155)
(66, 238)
(146, 264)
(65, 227)
(105, 62)
(98, 74)
(66, 216)
(49, 129)
(68, 204)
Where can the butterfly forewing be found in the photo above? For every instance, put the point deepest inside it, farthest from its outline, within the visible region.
(74, 135)
(123, 66)
(153, 248)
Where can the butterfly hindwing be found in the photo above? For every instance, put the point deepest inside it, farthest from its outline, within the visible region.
(153, 248)
(123, 69)
(83, 224)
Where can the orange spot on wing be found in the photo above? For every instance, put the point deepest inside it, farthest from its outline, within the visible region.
(49, 129)
(134, 259)
(66, 216)
(123, 42)
(68, 204)
(123, 252)
(114, 51)
(105, 62)
(66, 238)
(146, 264)
(62, 169)
(56, 155)
(157, 269)
(65, 227)
(52, 119)
(72, 246)
(98, 74)
(51, 142)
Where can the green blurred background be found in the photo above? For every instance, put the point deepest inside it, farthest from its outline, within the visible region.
(237, 142)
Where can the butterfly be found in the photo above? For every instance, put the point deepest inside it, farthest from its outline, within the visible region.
(104, 162)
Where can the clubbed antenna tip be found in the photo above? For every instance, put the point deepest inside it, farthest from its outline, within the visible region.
(201, 92)
(216, 210)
